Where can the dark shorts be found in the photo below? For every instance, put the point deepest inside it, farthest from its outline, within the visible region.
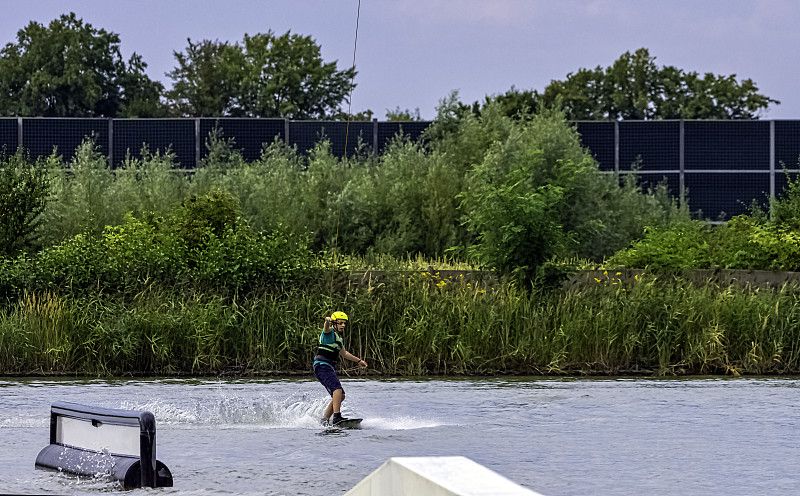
(327, 377)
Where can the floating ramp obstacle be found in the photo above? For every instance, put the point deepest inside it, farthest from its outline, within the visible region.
(436, 476)
(90, 441)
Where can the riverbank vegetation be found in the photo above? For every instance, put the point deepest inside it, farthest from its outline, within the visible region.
(756, 241)
(412, 325)
(231, 268)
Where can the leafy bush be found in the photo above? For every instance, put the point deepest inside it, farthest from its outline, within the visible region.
(244, 260)
(745, 242)
(411, 199)
(201, 217)
(84, 197)
(736, 245)
(786, 209)
(779, 247)
(24, 190)
(620, 213)
(537, 194)
(267, 189)
(150, 183)
(120, 258)
(200, 245)
(681, 246)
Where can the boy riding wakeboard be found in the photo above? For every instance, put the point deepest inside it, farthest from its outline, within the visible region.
(331, 347)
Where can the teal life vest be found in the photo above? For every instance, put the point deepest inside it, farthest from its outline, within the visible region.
(328, 351)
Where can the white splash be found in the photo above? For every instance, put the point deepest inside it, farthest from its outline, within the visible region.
(399, 423)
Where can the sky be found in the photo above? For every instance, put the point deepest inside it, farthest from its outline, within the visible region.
(411, 54)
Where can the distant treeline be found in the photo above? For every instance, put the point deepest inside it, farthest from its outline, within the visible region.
(72, 69)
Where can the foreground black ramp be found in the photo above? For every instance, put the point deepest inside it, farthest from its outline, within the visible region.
(89, 440)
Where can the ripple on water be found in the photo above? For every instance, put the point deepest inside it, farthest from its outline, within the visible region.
(553, 436)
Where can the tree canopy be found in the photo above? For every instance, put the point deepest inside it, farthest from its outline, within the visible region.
(206, 80)
(265, 76)
(634, 87)
(70, 69)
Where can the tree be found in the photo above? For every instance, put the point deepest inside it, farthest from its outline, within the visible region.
(365, 115)
(70, 69)
(510, 103)
(403, 115)
(629, 87)
(264, 76)
(286, 77)
(522, 199)
(531, 192)
(634, 87)
(207, 80)
(141, 97)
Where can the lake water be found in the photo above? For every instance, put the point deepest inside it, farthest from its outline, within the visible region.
(556, 437)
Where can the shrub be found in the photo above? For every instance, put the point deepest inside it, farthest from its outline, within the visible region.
(151, 183)
(745, 242)
(786, 209)
(778, 247)
(84, 199)
(406, 201)
(737, 245)
(681, 246)
(200, 217)
(537, 194)
(203, 244)
(24, 190)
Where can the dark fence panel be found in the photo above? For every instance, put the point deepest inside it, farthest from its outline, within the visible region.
(176, 135)
(249, 135)
(599, 138)
(653, 145)
(9, 135)
(787, 144)
(721, 196)
(724, 145)
(305, 134)
(359, 134)
(718, 156)
(388, 130)
(40, 135)
(647, 182)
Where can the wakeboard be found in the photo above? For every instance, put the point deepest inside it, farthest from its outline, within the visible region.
(348, 423)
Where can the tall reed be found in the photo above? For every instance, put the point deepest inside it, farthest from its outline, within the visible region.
(411, 325)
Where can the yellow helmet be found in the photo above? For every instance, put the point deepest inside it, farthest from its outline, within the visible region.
(339, 316)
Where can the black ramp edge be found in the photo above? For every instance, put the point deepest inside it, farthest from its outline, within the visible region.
(105, 415)
(131, 471)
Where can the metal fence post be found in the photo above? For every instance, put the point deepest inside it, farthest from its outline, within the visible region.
(682, 163)
(771, 166)
(197, 142)
(286, 132)
(110, 143)
(616, 147)
(375, 136)
(19, 132)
